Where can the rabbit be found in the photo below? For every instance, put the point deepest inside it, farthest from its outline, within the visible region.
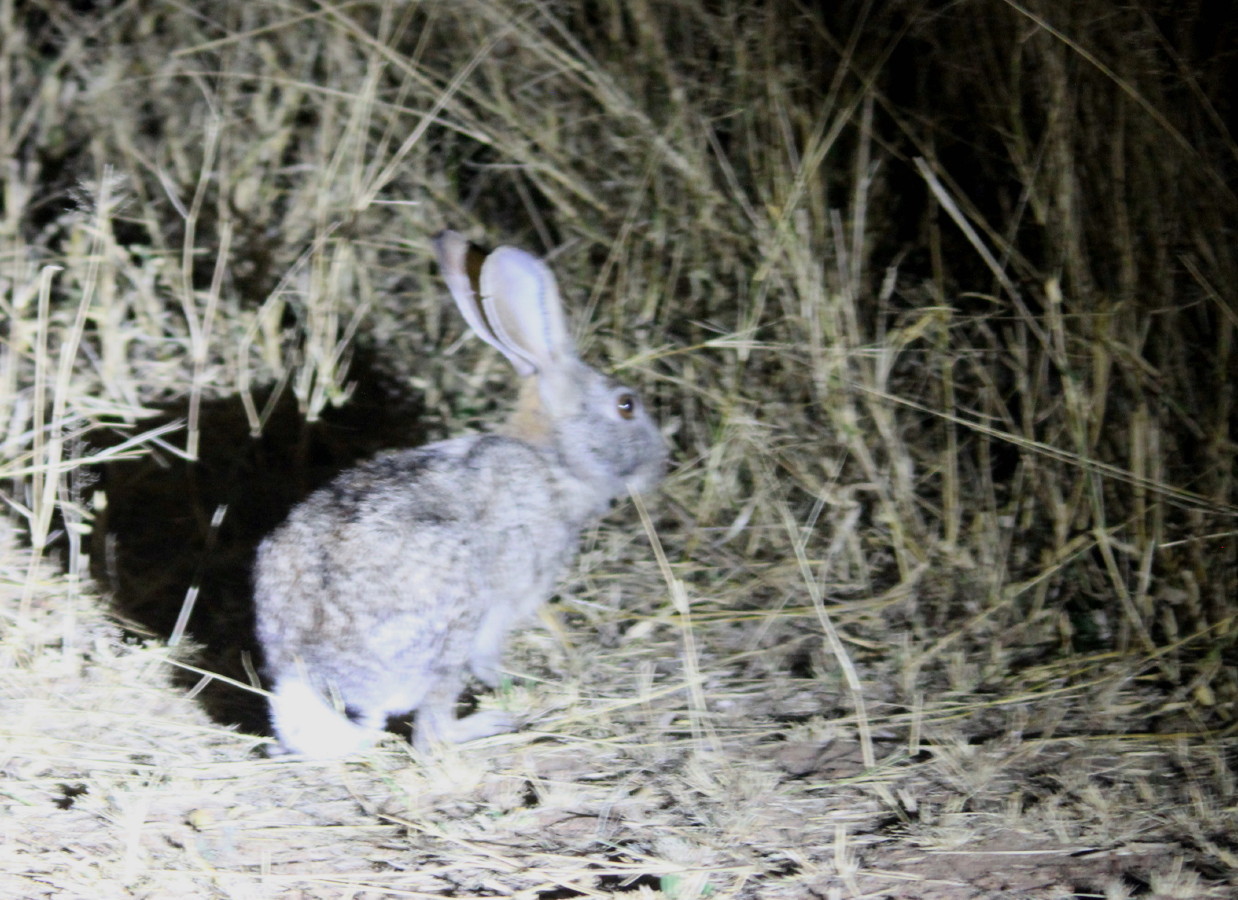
(383, 589)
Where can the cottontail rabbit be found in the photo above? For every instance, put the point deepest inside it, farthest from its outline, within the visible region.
(384, 588)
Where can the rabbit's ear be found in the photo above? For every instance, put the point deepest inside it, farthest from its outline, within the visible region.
(463, 265)
(521, 302)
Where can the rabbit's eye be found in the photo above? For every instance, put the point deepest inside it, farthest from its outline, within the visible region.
(626, 405)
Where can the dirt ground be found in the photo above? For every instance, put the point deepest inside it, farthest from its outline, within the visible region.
(117, 783)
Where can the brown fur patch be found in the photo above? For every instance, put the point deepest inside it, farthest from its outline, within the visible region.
(528, 421)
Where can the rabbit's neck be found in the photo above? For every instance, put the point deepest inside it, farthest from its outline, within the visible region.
(529, 422)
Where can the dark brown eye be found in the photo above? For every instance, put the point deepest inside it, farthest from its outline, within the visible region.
(626, 405)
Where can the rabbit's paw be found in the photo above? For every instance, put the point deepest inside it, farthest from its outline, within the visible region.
(486, 723)
(432, 730)
(485, 668)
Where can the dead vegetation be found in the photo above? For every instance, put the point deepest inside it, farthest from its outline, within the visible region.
(934, 300)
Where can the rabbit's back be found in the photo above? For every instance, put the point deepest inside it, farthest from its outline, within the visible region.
(385, 576)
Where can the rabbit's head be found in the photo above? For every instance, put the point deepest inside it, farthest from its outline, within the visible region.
(598, 429)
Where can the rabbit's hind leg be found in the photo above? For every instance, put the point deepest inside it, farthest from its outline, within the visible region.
(437, 722)
(308, 725)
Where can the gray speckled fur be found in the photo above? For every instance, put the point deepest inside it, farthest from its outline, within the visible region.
(384, 588)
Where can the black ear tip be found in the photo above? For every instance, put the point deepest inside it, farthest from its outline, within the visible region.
(455, 251)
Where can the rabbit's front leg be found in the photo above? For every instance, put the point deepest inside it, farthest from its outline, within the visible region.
(487, 651)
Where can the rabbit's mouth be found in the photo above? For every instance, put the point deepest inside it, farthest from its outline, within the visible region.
(642, 477)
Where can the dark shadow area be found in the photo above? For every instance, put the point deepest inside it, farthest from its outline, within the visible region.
(162, 533)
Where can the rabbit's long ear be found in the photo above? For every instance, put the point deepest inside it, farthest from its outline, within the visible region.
(522, 305)
(462, 265)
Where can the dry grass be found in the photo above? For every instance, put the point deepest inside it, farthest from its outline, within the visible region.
(939, 601)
